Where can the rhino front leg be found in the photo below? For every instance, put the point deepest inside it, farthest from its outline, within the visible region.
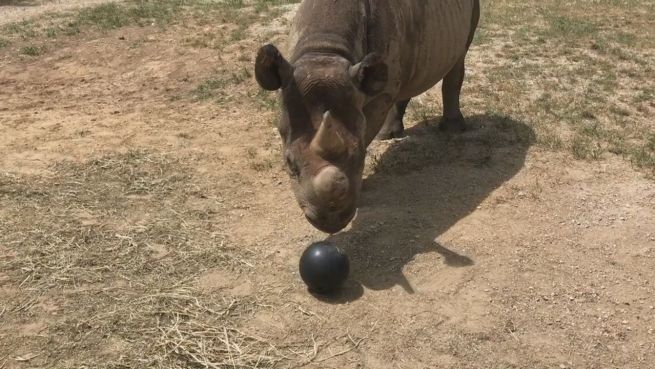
(393, 126)
(453, 120)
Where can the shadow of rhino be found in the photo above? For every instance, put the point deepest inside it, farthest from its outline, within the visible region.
(421, 186)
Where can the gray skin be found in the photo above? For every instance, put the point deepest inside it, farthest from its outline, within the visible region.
(353, 67)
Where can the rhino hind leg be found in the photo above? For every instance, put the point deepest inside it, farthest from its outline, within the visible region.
(393, 127)
(453, 120)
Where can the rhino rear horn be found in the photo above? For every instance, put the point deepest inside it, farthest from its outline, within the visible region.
(370, 75)
(271, 69)
(328, 142)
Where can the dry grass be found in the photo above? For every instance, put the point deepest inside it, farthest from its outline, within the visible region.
(115, 244)
(55, 27)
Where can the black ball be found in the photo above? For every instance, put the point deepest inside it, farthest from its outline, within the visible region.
(324, 267)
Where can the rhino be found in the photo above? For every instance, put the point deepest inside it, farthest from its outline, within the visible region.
(351, 68)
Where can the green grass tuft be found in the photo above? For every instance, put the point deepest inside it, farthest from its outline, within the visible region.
(564, 26)
(583, 147)
(32, 50)
(644, 155)
(113, 15)
(218, 85)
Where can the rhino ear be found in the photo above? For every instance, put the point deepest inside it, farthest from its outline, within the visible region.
(271, 69)
(370, 74)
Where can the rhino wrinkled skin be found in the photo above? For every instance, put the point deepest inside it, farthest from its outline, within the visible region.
(348, 75)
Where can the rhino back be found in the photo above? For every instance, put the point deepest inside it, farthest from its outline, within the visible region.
(423, 39)
(329, 25)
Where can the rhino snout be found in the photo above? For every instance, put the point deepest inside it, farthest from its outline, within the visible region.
(334, 204)
(329, 221)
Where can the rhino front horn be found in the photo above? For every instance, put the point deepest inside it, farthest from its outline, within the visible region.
(328, 143)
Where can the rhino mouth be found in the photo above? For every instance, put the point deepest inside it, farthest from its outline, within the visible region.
(330, 222)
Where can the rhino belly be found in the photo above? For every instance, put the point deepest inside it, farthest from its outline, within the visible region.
(443, 28)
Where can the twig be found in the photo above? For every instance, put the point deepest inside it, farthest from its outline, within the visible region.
(27, 357)
(513, 335)
(309, 312)
(25, 280)
(227, 344)
(351, 339)
(184, 223)
(356, 345)
(198, 360)
(315, 347)
(244, 262)
(316, 350)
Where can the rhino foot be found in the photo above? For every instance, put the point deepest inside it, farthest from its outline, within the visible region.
(453, 125)
(395, 130)
(393, 127)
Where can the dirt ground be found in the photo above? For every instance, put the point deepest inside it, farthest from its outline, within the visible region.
(20, 10)
(145, 226)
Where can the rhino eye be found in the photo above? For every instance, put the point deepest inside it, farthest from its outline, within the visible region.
(291, 165)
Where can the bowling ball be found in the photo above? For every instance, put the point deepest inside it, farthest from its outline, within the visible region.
(324, 267)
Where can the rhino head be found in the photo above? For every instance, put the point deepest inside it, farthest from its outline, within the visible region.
(323, 127)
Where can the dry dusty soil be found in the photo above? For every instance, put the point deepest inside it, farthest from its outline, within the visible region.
(20, 10)
(146, 219)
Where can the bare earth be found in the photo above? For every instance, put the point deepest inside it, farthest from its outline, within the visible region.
(17, 10)
(480, 250)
